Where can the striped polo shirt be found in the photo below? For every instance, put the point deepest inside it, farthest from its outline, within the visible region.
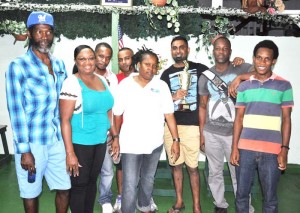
(263, 103)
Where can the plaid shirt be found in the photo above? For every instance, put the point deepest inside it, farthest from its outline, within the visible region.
(32, 100)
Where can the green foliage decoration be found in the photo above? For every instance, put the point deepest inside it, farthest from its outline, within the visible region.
(13, 27)
(210, 30)
(90, 20)
(187, 27)
(170, 12)
(81, 24)
(96, 26)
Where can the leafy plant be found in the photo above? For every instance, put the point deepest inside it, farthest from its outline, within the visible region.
(211, 30)
(13, 27)
(17, 29)
(162, 63)
(170, 12)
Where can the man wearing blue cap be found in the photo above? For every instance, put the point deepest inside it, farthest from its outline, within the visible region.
(33, 84)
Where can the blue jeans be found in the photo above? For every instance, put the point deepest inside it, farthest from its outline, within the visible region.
(138, 180)
(106, 178)
(269, 174)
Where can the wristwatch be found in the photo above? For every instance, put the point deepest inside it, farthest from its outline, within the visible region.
(176, 139)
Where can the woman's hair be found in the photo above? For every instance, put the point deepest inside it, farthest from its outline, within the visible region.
(75, 69)
(76, 52)
(81, 47)
(139, 55)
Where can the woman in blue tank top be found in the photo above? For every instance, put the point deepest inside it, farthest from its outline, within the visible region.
(85, 108)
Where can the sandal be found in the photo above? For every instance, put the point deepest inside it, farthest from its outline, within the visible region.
(175, 209)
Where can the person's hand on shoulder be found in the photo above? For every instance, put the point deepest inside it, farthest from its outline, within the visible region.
(237, 61)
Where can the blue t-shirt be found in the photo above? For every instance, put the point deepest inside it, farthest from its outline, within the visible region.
(91, 125)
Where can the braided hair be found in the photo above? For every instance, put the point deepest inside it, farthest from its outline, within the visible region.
(139, 55)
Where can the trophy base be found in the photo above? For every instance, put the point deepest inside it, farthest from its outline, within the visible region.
(184, 107)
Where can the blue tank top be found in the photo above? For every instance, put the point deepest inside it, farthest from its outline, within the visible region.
(91, 125)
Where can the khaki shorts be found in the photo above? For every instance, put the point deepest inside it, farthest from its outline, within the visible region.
(189, 145)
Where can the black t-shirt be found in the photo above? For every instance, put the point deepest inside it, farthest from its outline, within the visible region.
(171, 77)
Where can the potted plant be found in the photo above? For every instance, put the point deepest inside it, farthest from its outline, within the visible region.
(211, 31)
(17, 29)
(170, 12)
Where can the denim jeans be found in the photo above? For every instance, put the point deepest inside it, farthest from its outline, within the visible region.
(138, 180)
(106, 178)
(268, 173)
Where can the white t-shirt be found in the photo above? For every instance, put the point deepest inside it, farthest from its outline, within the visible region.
(143, 112)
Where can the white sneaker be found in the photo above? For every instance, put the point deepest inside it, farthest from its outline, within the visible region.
(117, 206)
(107, 208)
(153, 206)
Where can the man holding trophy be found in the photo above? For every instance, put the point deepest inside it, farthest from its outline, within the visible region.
(185, 83)
(182, 78)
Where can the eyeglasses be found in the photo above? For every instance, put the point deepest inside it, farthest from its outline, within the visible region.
(83, 60)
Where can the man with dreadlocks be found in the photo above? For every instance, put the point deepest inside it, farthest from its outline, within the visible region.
(33, 84)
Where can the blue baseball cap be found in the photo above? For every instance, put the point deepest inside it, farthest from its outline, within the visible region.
(40, 17)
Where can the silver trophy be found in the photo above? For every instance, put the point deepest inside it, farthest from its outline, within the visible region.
(184, 82)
